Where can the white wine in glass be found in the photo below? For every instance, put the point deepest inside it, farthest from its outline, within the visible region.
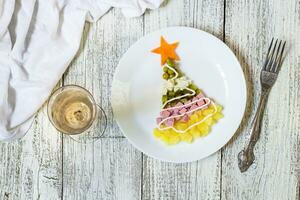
(72, 110)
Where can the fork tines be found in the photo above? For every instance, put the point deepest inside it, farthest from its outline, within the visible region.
(274, 56)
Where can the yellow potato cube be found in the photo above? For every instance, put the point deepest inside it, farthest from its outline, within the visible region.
(157, 133)
(181, 126)
(204, 130)
(182, 135)
(209, 121)
(174, 140)
(195, 132)
(199, 113)
(207, 111)
(219, 108)
(194, 117)
(200, 118)
(200, 125)
(218, 116)
(165, 138)
(211, 107)
(174, 134)
(187, 138)
(191, 122)
(168, 133)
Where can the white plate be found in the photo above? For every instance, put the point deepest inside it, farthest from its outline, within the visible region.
(136, 91)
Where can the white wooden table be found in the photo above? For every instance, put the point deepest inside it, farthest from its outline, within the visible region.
(47, 165)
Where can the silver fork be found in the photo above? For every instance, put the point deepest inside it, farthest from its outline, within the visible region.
(268, 77)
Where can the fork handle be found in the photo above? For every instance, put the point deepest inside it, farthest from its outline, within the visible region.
(246, 157)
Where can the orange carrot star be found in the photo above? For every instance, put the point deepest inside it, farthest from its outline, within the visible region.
(166, 50)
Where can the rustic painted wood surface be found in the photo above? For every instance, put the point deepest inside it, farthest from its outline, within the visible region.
(46, 165)
(197, 180)
(249, 27)
(31, 168)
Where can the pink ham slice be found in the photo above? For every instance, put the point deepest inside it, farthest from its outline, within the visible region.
(203, 102)
(165, 114)
(200, 96)
(176, 114)
(187, 107)
(158, 120)
(185, 118)
(176, 110)
(200, 103)
(180, 111)
(169, 122)
(195, 99)
(193, 107)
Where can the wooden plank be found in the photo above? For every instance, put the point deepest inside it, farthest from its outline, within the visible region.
(30, 168)
(202, 14)
(250, 25)
(102, 46)
(197, 180)
(110, 168)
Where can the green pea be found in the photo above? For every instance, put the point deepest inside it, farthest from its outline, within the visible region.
(165, 76)
(193, 87)
(165, 69)
(170, 62)
(198, 91)
(171, 72)
(179, 93)
(173, 104)
(171, 94)
(171, 75)
(164, 99)
(183, 100)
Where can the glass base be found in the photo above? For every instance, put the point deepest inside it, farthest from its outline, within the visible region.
(96, 130)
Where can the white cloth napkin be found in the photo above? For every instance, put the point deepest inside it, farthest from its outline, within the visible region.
(38, 40)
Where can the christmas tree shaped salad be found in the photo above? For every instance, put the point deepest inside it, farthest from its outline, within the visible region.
(186, 113)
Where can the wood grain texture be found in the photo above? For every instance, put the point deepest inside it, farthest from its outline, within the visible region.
(30, 168)
(46, 165)
(197, 180)
(109, 168)
(250, 25)
(102, 46)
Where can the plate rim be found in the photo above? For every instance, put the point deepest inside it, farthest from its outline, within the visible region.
(244, 86)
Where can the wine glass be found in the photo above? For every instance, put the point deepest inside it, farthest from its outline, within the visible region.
(73, 111)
